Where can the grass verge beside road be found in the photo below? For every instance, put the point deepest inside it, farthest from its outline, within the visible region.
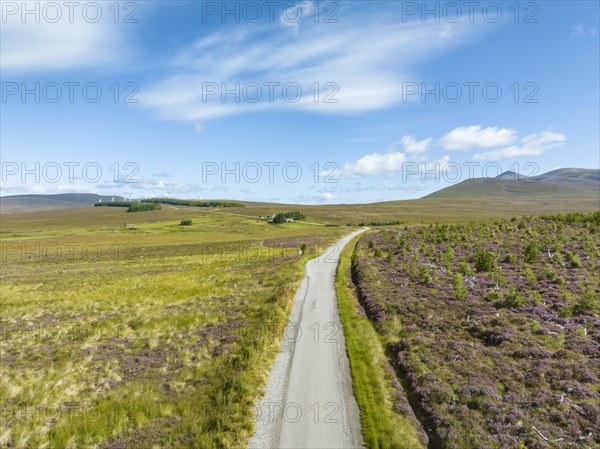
(375, 388)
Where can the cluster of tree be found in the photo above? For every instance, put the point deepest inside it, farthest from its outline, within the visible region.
(575, 217)
(115, 204)
(282, 217)
(186, 222)
(133, 206)
(143, 207)
(193, 203)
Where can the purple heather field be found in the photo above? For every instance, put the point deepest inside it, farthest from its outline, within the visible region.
(493, 329)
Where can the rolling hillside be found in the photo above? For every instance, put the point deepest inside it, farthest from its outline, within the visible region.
(564, 183)
(22, 203)
(558, 191)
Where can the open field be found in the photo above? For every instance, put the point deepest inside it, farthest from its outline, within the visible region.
(303, 224)
(430, 210)
(559, 191)
(148, 335)
(124, 330)
(493, 328)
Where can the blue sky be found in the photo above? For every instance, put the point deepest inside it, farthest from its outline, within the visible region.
(326, 101)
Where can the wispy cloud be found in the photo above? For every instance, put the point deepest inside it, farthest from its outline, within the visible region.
(27, 46)
(531, 145)
(581, 30)
(357, 67)
(325, 197)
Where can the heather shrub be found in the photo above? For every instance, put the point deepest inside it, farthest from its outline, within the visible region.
(378, 253)
(186, 222)
(486, 376)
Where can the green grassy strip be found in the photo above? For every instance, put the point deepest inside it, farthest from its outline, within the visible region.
(382, 427)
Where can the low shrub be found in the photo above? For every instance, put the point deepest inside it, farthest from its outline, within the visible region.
(484, 260)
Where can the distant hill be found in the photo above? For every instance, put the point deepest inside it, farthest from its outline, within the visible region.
(35, 202)
(558, 191)
(575, 177)
(563, 183)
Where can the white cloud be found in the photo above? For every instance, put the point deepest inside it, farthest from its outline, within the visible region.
(581, 30)
(470, 137)
(417, 164)
(27, 46)
(375, 164)
(146, 184)
(362, 65)
(8, 188)
(305, 199)
(413, 146)
(297, 12)
(531, 145)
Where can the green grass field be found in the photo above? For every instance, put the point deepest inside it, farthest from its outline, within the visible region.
(144, 335)
(433, 210)
(123, 330)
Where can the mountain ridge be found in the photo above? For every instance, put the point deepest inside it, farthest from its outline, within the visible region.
(559, 184)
